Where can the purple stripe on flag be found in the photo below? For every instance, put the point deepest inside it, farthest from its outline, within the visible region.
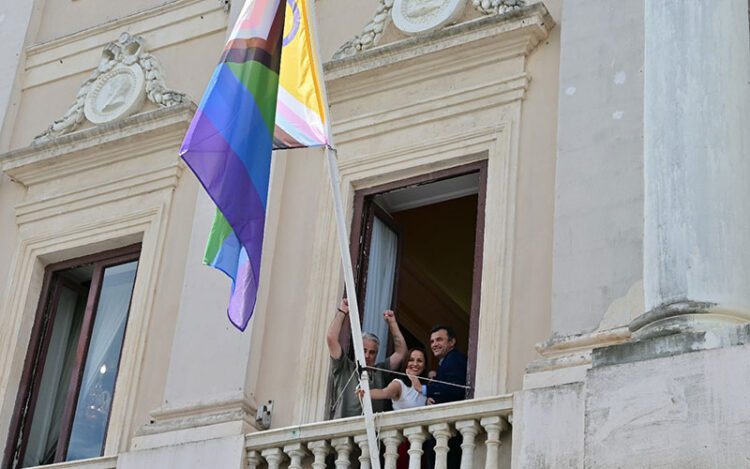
(234, 123)
(244, 295)
(226, 180)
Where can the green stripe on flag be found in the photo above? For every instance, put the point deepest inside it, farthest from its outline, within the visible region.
(263, 85)
(220, 229)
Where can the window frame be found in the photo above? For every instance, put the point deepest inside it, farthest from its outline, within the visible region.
(34, 363)
(358, 239)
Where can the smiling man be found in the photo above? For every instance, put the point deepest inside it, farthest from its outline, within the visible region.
(452, 368)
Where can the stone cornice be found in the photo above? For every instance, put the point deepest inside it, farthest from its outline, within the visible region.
(162, 26)
(169, 8)
(95, 146)
(526, 27)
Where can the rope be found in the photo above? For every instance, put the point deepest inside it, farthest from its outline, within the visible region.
(423, 379)
(343, 390)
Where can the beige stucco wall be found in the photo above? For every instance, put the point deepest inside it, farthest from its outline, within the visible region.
(56, 65)
(276, 361)
(532, 279)
(286, 346)
(60, 18)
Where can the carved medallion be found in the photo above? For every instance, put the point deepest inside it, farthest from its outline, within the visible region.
(115, 94)
(126, 76)
(422, 16)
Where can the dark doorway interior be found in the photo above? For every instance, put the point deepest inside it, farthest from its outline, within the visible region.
(419, 250)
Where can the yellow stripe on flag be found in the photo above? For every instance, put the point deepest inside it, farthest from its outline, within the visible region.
(298, 61)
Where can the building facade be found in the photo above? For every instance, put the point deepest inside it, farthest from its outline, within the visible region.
(560, 181)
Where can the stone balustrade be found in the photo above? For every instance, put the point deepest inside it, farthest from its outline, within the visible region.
(479, 422)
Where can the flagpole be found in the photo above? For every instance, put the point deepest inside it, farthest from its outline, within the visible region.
(346, 260)
(356, 328)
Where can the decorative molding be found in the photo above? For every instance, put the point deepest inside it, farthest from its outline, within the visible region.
(486, 95)
(524, 27)
(170, 418)
(370, 35)
(162, 26)
(74, 152)
(498, 7)
(423, 23)
(125, 74)
(104, 462)
(562, 355)
(557, 346)
(423, 16)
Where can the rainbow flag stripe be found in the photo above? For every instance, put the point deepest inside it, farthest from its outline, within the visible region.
(300, 113)
(248, 109)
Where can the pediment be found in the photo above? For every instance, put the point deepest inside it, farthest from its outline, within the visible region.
(399, 20)
(128, 80)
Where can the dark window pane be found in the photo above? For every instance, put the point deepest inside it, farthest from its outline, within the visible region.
(58, 365)
(97, 385)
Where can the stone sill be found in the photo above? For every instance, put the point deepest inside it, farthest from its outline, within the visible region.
(104, 462)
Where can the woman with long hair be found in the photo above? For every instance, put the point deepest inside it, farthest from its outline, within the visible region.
(406, 392)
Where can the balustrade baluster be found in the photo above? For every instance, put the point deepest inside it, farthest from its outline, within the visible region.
(343, 447)
(319, 450)
(442, 433)
(416, 437)
(469, 430)
(364, 446)
(391, 438)
(273, 457)
(254, 460)
(296, 452)
(494, 426)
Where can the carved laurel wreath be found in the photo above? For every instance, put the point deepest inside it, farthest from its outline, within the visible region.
(373, 31)
(126, 50)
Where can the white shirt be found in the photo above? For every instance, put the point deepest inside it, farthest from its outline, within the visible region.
(410, 397)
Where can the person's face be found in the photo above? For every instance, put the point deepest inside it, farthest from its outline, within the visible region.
(440, 344)
(371, 351)
(416, 363)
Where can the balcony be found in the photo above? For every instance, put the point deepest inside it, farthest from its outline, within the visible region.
(483, 424)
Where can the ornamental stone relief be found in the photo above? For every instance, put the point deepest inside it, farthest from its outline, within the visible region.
(414, 17)
(126, 76)
(422, 16)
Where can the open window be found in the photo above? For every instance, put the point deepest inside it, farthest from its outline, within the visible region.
(64, 401)
(417, 246)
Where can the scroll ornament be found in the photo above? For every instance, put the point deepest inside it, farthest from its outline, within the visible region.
(373, 31)
(126, 75)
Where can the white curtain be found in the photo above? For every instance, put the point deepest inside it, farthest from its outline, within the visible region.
(102, 361)
(381, 270)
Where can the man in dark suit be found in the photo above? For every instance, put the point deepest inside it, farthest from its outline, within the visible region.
(451, 369)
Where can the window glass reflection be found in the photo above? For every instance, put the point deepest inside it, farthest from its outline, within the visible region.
(97, 385)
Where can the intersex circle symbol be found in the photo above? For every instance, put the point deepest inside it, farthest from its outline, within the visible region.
(295, 26)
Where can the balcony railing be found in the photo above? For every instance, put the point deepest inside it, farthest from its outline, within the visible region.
(480, 422)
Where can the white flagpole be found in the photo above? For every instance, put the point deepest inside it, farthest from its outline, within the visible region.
(359, 354)
(346, 261)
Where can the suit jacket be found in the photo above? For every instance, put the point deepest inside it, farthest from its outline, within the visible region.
(452, 370)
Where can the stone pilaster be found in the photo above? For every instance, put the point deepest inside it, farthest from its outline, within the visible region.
(697, 197)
